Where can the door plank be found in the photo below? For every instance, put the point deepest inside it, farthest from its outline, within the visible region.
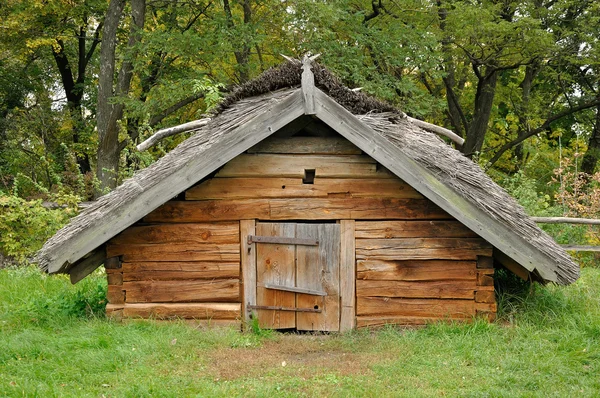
(317, 268)
(347, 276)
(275, 265)
(248, 264)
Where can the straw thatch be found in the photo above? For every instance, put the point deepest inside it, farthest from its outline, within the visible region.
(448, 165)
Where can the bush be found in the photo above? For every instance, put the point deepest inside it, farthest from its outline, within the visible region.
(26, 225)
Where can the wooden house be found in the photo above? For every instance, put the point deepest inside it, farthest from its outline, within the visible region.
(309, 206)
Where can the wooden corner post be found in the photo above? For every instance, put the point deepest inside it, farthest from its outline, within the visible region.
(248, 263)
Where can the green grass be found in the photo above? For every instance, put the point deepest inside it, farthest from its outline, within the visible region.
(56, 342)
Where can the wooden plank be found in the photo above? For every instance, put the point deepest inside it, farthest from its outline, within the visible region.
(115, 294)
(255, 188)
(281, 240)
(115, 311)
(293, 166)
(166, 270)
(296, 209)
(353, 208)
(308, 86)
(183, 310)
(448, 289)
(566, 220)
(114, 278)
(484, 278)
(581, 248)
(112, 263)
(318, 268)
(379, 321)
(84, 267)
(428, 270)
(222, 290)
(294, 289)
(485, 296)
(307, 145)
(427, 183)
(412, 229)
(248, 264)
(422, 249)
(434, 308)
(180, 233)
(275, 264)
(347, 276)
(485, 262)
(176, 252)
(250, 131)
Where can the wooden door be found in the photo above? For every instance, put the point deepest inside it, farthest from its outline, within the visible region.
(298, 276)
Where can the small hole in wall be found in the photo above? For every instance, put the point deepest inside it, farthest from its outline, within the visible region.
(309, 176)
(316, 307)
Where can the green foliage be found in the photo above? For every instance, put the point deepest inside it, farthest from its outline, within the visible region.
(26, 225)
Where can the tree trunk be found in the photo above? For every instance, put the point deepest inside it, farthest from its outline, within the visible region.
(484, 99)
(242, 56)
(531, 71)
(109, 114)
(592, 155)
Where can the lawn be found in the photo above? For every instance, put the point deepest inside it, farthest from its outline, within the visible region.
(56, 342)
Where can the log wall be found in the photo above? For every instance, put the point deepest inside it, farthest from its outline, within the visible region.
(414, 262)
(184, 270)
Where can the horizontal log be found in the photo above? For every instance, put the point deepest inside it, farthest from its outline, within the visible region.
(485, 277)
(436, 308)
(254, 188)
(294, 166)
(412, 229)
(415, 270)
(485, 296)
(115, 294)
(114, 278)
(165, 270)
(180, 233)
(566, 220)
(307, 145)
(294, 209)
(221, 290)
(176, 252)
(457, 289)
(422, 249)
(184, 310)
(379, 321)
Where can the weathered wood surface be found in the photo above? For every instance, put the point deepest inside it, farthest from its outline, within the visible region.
(412, 229)
(456, 289)
(222, 290)
(581, 248)
(378, 321)
(164, 270)
(216, 233)
(293, 166)
(566, 220)
(294, 289)
(295, 209)
(485, 296)
(183, 310)
(248, 265)
(436, 308)
(318, 268)
(308, 86)
(485, 277)
(416, 270)
(347, 275)
(255, 188)
(176, 252)
(86, 266)
(115, 294)
(422, 249)
(275, 264)
(115, 278)
(425, 182)
(307, 145)
(249, 132)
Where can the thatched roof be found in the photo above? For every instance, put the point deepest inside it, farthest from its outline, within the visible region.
(439, 172)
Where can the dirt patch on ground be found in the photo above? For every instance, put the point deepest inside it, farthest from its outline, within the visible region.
(303, 356)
